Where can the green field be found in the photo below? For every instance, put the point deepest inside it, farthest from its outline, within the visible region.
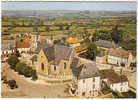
(126, 23)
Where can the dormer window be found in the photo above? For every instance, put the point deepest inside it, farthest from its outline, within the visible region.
(64, 65)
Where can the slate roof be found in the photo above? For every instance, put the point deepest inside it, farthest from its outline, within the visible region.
(40, 46)
(8, 44)
(112, 76)
(56, 53)
(106, 44)
(101, 54)
(86, 70)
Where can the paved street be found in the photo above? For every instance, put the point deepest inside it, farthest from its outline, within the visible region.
(27, 89)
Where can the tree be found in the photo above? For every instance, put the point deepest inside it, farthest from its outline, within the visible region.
(23, 69)
(34, 75)
(20, 67)
(57, 41)
(103, 35)
(17, 53)
(60, 27)
(86, 37)
(47, 28)
(67, 28)
(116, 34)
(92, 50)
(12, 84)
(12, 61)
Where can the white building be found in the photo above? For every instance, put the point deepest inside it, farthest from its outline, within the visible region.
(119, 56)
(8, 48)
(114, 81)
(73, 42)
(23, 47)
(120, 86)
(86, 81)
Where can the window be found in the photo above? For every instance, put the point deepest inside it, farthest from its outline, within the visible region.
(83, 94)
(83, 81)
(93, 86)
(90, 92)
(42, 66)
(64, 65)
(94, 79)
(54, 68)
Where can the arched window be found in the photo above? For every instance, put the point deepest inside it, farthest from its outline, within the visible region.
(54, 68)
(64, 65)
(42, 66)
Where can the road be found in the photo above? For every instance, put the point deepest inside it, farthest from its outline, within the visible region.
(32, 90)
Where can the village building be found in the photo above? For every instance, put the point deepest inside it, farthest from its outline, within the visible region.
(73, 42)
(7, 47)
(114, 81)
(34, 38)
(101, 58)
(86, 80)
(23, 47)
(51, 39)
(46, 39)
(27, 40)
(104, 44)
(80, 49)
(119, 56)
(54, 61)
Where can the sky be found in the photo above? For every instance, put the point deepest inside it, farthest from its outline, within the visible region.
(92, 6)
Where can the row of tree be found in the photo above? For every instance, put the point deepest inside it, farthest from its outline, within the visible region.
(21, 67)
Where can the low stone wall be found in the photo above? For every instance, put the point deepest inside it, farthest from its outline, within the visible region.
(51, 79)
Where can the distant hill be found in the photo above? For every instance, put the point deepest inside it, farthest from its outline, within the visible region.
(63, 13)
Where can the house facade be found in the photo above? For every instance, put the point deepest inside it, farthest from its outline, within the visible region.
(120, 86)
(101, 58)
(86, 81)
(114, 81)
(23, 47)
(119, 57)
(7, 47)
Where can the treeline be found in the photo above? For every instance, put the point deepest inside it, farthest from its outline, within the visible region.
(116, 35)
(21, 67)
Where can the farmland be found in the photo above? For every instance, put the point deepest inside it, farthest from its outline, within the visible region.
(73, 26)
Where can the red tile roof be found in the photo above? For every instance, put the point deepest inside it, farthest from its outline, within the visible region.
(73, 40)
(23, 44)
(27, 40)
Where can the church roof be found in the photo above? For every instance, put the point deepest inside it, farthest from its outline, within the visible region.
(56, 53)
